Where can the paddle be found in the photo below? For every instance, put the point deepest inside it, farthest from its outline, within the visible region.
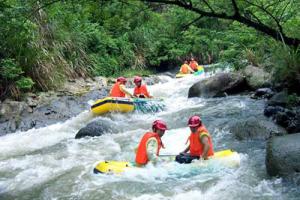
(166, 155)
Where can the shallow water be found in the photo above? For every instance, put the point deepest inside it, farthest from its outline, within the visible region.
(48, 163)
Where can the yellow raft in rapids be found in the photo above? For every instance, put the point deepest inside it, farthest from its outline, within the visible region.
(226, 158)
(112, 104)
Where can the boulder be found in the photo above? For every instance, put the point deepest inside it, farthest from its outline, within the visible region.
(254, 128)
(287, 118)
(279, 99)
(256, 77)
(270, 111)
(96, 128)
(294, 123)
(282, 156)
(221, 84)
(49, 110)
(263, 93)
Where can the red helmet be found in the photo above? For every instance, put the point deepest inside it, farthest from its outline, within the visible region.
(194, 121)
(137, 79)
(121, 79)
(159, 124)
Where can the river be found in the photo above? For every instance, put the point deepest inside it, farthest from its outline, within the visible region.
(48, 163)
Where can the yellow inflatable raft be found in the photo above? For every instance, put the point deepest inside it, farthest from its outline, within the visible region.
(112, 104)
(227, 158)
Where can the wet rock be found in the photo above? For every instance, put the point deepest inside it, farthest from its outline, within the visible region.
(57, 109)
(282, 156)
(10, 109)
(272, 110)
(287, 118)
(95, 128)
(294, 123)
(282, 119)
(257, 77)
(263, 93)
(219, 85)
(254, 128)
(279, 99)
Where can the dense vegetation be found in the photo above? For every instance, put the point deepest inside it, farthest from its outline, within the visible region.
(42, 43)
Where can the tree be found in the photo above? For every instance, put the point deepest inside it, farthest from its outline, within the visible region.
(271, 17)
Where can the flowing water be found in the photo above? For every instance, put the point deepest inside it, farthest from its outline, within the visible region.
(48, 163)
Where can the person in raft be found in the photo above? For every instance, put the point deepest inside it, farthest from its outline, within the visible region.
(150, 144)
(193, 64)
(186, 69)
(119, 89)
(140, 90)
(200, 142)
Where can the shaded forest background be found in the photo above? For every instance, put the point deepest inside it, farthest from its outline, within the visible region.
(44, 43)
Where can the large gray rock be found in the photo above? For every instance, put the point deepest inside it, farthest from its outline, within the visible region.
(23, 116)
(96, 128)
(263, 93)
(279, 99)
(257, 77)
(219, 85)
(254, 128)
(283, 155)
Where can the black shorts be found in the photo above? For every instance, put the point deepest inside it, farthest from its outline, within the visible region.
(185, 158)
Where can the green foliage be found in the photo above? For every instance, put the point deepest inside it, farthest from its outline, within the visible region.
(42, 48)
(10, 70)
(24, 83)
(12, 78)
(287, 66)
(293, 100)
(134, 72)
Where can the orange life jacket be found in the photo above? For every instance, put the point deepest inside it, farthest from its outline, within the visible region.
(196, 147)
(194, 65)
(116, 91)
(142, 90)
(141, 154)
(184, 69)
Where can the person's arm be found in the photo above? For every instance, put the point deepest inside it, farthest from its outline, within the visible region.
(147, 94)
(123, 89)
(204, 141)
(181, 69)
(135, 93)
(186, 149)
(190, 69)
(151, 147)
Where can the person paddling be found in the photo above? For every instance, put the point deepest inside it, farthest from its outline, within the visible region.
(186, 69)
(140, 90)
(193, 64)
(200, 142)
(150, 144)
(119, 89)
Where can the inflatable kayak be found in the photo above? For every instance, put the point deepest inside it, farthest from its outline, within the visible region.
(112, 104)
(197, 73)
(226, 158)
(118, 104)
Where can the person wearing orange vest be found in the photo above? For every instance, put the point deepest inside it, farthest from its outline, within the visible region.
(150, 144)
(186, 69)
(200, 142)
(193, 64)
(140, 90)
(119, 89)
